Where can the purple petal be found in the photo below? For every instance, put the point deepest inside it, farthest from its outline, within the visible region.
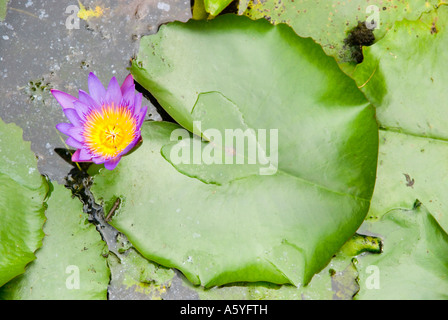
(72, 115)
(64, 127)
(96, 89)
(137, 102)
(64, 99)
(141, 116)
(88, 100)
(98, 160)
(113, 94)
(76, 133)
(74, 143)
(129, 81)
(111, 164)
(128, 95)
(82, 109)
(81, 155)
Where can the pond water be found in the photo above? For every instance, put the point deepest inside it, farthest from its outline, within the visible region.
(44, 45)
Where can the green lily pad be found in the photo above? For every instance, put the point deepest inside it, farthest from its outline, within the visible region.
(414, 262)
(70, 264)
(23, 193)
(212, 7)
(280, 226)
(3, 9)
(409, 168)
(329, 22)
(403, 76)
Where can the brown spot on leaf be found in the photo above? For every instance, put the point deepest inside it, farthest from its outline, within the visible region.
(409, 182)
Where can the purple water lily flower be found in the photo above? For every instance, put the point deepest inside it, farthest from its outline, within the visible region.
(105, 124)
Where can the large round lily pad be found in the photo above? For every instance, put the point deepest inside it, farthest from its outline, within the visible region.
(279, 220)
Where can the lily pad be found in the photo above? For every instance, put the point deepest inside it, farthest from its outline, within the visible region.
(402, 75)
(280, 227)
(409, 168)
(3, 9)
(414, 263)
(203, 8)
(23, 193)
(71, 263)
(330, 22)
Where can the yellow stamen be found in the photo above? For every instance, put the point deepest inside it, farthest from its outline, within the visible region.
(109, 131)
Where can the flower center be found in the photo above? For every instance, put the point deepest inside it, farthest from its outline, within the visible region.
(107, 132)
